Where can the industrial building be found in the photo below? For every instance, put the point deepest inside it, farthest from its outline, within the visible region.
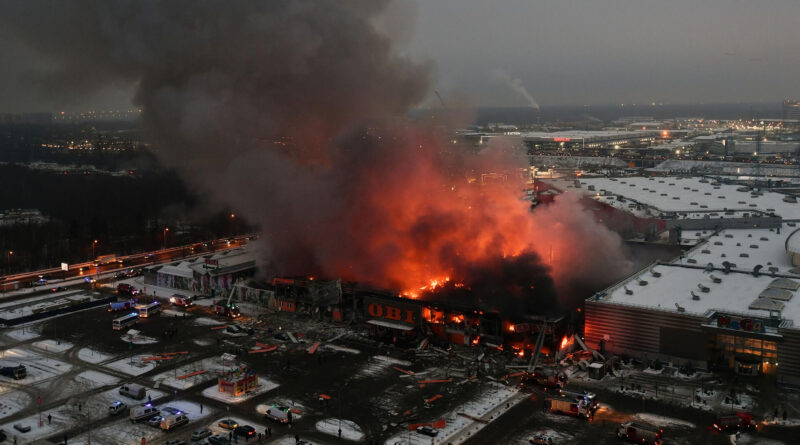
(210, 275)
(727, 303)
(580, 140)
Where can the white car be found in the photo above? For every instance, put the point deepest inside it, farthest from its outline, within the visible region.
(116, 408)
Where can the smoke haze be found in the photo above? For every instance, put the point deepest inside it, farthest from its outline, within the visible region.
(293, 113)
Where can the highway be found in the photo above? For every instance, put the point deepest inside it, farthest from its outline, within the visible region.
(88, 269)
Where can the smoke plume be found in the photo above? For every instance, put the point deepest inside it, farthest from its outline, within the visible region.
(516, 85)
(293, 113)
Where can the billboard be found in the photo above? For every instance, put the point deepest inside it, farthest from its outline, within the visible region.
(738, 323)
(390, 310)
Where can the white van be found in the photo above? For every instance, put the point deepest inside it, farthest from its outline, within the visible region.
(133, 391)
(171, 422)
(143, 413)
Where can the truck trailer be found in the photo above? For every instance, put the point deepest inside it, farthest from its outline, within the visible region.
(640, 433)
(15, 372)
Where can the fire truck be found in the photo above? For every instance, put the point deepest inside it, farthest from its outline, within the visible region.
(641, 433)
(589, 397)
(181, 300)
(560, 404)
(734, 423)
(225, 307)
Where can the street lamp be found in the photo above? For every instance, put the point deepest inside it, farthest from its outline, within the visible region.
(166, 229)
(94, 243)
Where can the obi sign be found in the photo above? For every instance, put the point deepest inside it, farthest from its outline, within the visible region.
(740, 323)
(391, 311)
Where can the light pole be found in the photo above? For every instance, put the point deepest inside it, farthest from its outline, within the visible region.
(166, 229)
(94, 243)
(8, 259)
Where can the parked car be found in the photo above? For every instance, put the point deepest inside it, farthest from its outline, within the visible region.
(155, 421)
(244, 430)
(3, 435)
(171, 410)
(58, 289)
(175, 442)
(117, 407)
(22, 428)
(427, 430)
(218, 440)
(200, 434)
(228, 424)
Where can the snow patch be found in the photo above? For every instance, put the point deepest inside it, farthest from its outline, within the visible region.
(349, 429)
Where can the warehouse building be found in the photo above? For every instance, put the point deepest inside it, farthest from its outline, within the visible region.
(730, 302)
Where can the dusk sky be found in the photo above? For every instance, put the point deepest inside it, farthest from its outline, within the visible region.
(562, 52)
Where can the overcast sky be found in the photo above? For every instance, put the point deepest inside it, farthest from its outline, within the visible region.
(561, 51)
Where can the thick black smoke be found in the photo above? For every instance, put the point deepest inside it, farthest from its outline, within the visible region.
(279, 109)
(512, 286)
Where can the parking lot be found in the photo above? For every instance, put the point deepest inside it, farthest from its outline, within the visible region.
(372, 392)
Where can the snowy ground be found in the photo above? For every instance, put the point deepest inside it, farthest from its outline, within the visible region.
(92, 356)
(662, 421)
(39, 367)
(378, 365)
(47, 303)
(264, 385)
(12, 401)
(208, 321)
(350, 430)
(96, 379)
(136, 337)
(493, 400)
(132, 365)
(170, 378)
(53, 345)
(23, 333)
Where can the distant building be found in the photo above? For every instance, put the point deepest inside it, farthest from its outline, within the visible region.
(791, 109)
(578, 140)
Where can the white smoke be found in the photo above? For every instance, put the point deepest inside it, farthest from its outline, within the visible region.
(516, 85)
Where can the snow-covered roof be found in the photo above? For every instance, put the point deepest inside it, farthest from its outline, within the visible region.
(578, 134)
(688, 194)
(181, 269)
(688, 284)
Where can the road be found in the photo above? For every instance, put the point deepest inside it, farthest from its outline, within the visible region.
(88, 269)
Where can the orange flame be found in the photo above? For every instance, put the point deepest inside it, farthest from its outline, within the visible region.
(432, 284)
(565, 342)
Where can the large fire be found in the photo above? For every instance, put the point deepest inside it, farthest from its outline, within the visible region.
(408, 214)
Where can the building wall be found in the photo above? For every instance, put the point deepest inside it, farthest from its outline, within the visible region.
(789, 357)
(645, 332)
